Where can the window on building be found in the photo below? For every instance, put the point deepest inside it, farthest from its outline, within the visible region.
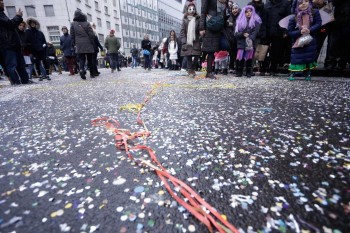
(116, 14)
(49, 10)
(87, 2)
(97, 6)
(114, 2)
(108, 25)
(117, 28)
(30, 11)
(89, 17)
(99, 22)
(11, 11)
(54, 33)
(106, 10)
(101, 38)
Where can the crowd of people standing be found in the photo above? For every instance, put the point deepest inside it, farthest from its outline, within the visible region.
(223, 38)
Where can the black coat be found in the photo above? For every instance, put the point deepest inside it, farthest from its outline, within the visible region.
(211, 40)
(146, 44)
(308, 53)
(8, 35)
(36, 40)
(275, 11)
(66, 45)
(253, 32)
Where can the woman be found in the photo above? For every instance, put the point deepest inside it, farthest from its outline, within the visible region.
(211, 36)
(83, 40)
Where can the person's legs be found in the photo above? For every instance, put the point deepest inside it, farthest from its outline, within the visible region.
(113, 61)
(276, 53)
(10, 62)
(21, 68)
(90, 64)
(117, 61)
(210, 59)
(82, 60)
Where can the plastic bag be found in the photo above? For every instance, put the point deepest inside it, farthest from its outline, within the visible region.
(302, 41)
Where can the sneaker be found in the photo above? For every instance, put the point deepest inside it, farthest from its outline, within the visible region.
(82, 74)
(48, 78)
(41, 78)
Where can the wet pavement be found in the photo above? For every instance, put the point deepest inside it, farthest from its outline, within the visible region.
(268, 154)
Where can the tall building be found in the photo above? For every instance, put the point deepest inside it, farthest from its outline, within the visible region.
(170, 17)
(52, 15)
(153, 17)
(138, 17)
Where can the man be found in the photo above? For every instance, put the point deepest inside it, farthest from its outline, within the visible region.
(67, 49)
(134, 53)
(112, 45)
(10, 47)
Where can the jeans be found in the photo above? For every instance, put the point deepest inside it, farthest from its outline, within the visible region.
(15, 66)
(147, 61)
(114, 61)
(41, 63)
(82, 59)
(134, 62)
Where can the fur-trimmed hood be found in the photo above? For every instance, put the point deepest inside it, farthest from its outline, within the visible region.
(30, 20)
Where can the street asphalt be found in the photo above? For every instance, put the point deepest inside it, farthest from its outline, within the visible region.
(270, 155)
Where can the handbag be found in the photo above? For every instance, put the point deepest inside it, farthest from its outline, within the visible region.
(146, 52)
(216, 23)
(302, 41)
(261, 52)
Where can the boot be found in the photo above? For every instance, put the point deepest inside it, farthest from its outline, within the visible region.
(216, 71)
(225, 72)
(308, 76)
(291, 76)
(248, 67)
(239, 71)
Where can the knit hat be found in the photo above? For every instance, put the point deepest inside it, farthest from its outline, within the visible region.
(64, 27)
(234, 5)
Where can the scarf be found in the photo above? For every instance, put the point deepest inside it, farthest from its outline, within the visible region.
(191, 29)
(304, 17)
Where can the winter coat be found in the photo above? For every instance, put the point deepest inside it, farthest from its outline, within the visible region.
(97, 44)
(186, 49)
(82, 34)
(134, 52)
(51, 51)
(8, 35)
(211, 40)
(275, 11)
(260, 10)
(35, 38)
(231, 29)
(66, 45)
(23, 40)
(146, 45)
(241, 40)
(173, 50)
(308, 53)
(112, 44)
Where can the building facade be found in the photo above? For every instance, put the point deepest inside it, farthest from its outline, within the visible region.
(53, 15)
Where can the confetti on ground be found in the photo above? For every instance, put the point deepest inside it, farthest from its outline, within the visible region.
(271, 155)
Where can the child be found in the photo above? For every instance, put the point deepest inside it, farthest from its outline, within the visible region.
(247, 27)
(172, 49)
(235, 11)
(306, 22)
(189, 34)
(221, 59)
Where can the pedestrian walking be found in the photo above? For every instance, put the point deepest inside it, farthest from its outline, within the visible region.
(112, 45)
(28, 58)
(83, 41)
(68, 50)
(146, 46)
(134, 54)
(37, 45)
(10, 47)
(302, 29)
(190, 38)
(247, 28)
(52, 58)
(97, 47)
